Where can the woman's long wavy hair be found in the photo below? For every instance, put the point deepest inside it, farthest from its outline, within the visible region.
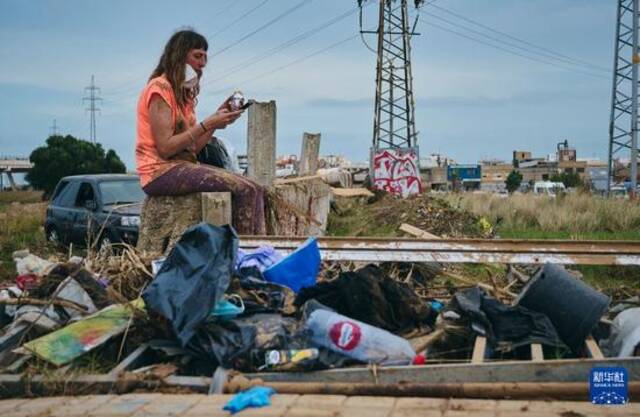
(173, 60)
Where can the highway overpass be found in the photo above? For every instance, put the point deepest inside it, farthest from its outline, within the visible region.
(10, 165)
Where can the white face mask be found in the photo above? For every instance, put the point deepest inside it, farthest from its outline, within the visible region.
(190, 77)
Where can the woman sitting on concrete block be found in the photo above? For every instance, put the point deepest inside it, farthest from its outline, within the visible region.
(169, 136)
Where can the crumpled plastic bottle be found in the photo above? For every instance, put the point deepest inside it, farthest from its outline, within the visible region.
(357, 340)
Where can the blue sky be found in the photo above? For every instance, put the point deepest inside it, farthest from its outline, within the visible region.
(473, 101)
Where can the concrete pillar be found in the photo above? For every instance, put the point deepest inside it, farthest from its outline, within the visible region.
(12, 182)
(216, 208)
(309, 154)
(261, 142)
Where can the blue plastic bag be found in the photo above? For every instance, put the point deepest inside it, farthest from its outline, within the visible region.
(253, 397)
(299, 269)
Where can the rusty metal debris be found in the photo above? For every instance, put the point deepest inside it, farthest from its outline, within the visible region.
(505, 251)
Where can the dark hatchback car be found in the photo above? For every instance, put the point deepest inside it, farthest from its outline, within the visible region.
(102, 208)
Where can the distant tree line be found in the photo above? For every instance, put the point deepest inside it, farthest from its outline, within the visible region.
(67, 155)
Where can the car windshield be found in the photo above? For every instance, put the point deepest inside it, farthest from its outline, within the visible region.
(121, 192)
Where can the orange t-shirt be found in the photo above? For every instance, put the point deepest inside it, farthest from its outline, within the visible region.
(149, 163)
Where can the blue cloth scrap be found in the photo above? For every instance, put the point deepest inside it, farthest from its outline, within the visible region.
(262, 258)
(253, 397)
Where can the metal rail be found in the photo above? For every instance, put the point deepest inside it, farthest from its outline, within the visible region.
(507, 251)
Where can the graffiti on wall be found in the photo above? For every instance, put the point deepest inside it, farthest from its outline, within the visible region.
(397, 171)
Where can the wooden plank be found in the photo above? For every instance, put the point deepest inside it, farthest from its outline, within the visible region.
(564, 370)
(414, 231)
(285, 181)
(536, 352)
(593, 348)
(17, 364)
(479, 349)
(420, 344)
(216, 208)
(351, 192)
(130, 361)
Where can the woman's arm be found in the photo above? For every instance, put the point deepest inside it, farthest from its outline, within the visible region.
(194, 138)
(161, 122)
(203, 138)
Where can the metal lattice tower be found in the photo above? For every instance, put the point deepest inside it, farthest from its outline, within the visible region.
(623, 126)
(92, 93)
(54, 128)
(394, 114)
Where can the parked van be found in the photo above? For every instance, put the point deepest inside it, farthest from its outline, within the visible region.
(549, 188)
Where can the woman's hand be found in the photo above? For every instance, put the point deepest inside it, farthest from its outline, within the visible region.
(222, 118)
(225, 104)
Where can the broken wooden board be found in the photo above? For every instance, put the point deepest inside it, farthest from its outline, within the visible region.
(351, 192)
(66, 344)
(414, 231)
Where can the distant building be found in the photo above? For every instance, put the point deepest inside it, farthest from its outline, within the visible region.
(494, 174)
(521, 156)
(434, 178)
(436, 160)
(565, 153)
(469, 176)
(564, 160)
(537, 170)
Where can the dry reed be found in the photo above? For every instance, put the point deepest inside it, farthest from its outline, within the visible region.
(571, 213)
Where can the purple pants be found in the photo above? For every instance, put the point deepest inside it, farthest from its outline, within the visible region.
(247, 197)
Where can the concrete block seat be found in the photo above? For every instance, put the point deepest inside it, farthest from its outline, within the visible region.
(165, 218)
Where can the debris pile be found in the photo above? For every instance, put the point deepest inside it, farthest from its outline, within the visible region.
(383, 214)
(209, 307)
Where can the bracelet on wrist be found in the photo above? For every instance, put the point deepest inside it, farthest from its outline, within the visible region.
(204, 129)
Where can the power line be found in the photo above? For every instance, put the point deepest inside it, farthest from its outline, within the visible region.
(253, 9)
(515, 38)
(258, 58)
(93, 98)
(264, 26)
(510, 44)
(127, 95)
(534, 59)
(133, 84)
(292, 63)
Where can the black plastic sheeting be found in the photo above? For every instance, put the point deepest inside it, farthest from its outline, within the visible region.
(193, 278)
(260, 296)
(506, 327)
(370, 296)
(239, 343)
(215, 153)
